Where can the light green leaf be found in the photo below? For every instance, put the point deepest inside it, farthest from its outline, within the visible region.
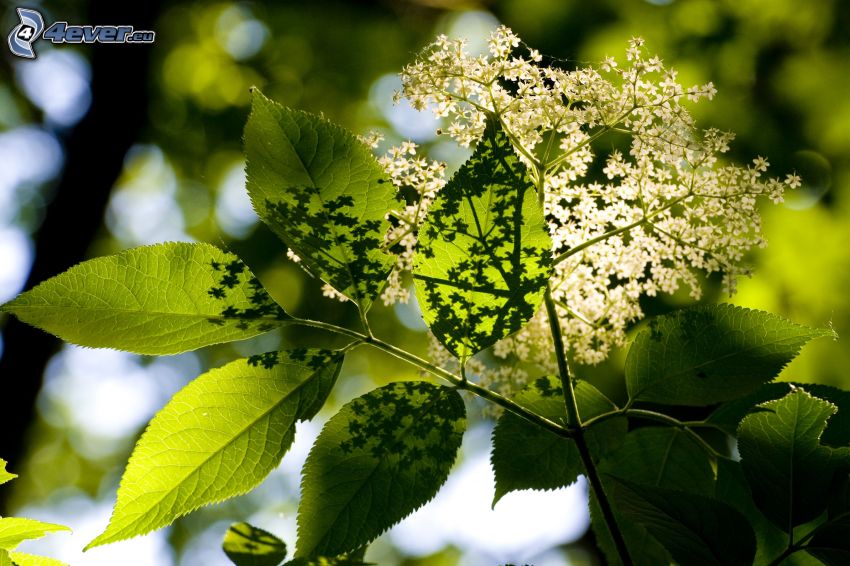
(4, 475)
(380, 458)
(484, 252)
(323, 193)
(22, 559)
(14, 531)
(161, 299)
(246, 545)
(526, 456)
(788, 469)
(5, 559)
(696, 530)
(219, 437)
(709, 354)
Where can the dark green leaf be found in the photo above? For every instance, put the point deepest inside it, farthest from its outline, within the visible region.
(788, 469)
(526, 456)
(696, 530)
(709, 354)
(380, 458)
(484, 253)
(831, 542)
(654, 456)
(162, 299)
(323, 193)
(246, 545)
(728, 416)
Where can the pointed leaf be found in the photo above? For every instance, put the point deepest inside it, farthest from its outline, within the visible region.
(380, 458)
(729, 415)
(4, 475)
(162, 299)
(246, 545)
(526, 456)
(219, 437)
(323, 193)
(713, 353)
(788, 469)
(695, 529)
(14, 531)
(484, 252)
(22, 559)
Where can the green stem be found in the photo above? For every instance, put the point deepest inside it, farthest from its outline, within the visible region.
(578, 433)
(457, 381)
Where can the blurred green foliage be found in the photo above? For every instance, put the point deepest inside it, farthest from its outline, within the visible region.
(781, 67)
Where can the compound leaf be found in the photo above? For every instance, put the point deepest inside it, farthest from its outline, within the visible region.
(161, 299)
(484, 252)
(695, 529)
(15, 530)
(219, 437)
(788, 469)
(323, 193)
(380, 458)
(246, 545)
(709, 354)
(526, 456)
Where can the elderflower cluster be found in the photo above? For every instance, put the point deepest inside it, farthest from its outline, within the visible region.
(422, 179)
(623, 224)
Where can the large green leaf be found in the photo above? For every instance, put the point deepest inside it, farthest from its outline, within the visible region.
(788, 469)
(4, 475)
(246, 545)
(161, 299)
(709, 354)
(729, 415)
(380, 458)
(695, 529)
(323, 193)
(526, 456)
(656, 457)
(484, 252)
(219, 437)
(14, 531)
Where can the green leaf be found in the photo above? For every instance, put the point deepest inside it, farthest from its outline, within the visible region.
(484, 252)
(14, 531)
(526, 456)
(219, 437)
(22, 559)
(380, 458)
(789, 471)
(5, 559)
(325, 561)
(162, 299)
(323, 193)
(709, 354)
(657, 457)
(4, 475)
(831, 542)
(729, 415)
(246, 545)
(695, 529)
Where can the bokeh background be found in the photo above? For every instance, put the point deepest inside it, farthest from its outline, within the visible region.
(107, 147)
